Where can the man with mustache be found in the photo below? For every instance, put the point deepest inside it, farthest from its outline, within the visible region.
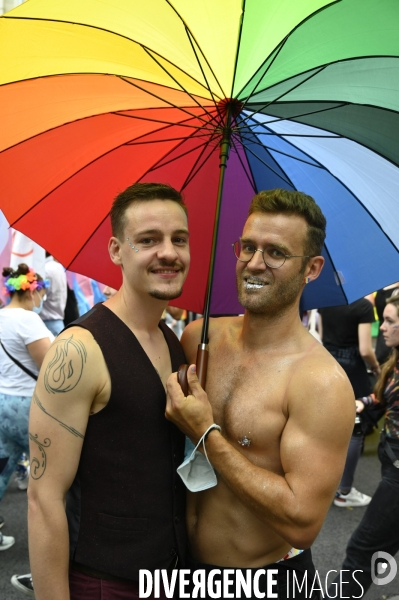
(277, 413)
(104, 497)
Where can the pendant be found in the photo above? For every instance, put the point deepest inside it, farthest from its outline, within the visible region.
(244, 441)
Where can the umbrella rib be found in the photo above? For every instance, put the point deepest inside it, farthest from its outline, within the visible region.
(162, 162)
(337, 277)
(307, 135)
(238, 48)
(277, 52)
(313, 74)
(194, 170)
(87, 241)
(269, 148)
(91, 26)
(162, 121)
(149, 52)
(80, 170)
(191, 35)
(305, 114)
(204, 76)
(247, 149)
(116, 114)
(95, 230)
(282, 43)
(185, 110)
(197, 166)
(141, 143)
(244, 168)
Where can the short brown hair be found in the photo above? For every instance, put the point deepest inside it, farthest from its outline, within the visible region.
(140, 192)
(294, 203)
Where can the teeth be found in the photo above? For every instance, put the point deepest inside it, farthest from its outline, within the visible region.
(253, 286)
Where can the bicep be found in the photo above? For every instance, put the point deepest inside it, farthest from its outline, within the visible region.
(60, 410)
(38, 350)
(315, 440)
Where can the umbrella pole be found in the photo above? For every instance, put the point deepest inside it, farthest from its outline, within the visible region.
(202, 352)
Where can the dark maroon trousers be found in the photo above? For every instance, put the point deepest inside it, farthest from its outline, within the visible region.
(84, 587)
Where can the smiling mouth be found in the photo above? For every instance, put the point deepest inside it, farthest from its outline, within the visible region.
(166, 271)
(253, 283)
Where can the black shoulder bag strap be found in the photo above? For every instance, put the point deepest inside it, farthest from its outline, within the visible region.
(27, 371)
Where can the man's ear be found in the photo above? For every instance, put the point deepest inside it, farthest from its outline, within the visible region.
(115, 251)
(314, 268)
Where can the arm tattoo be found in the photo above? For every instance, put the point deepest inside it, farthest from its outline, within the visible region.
(67, 427)
(64, 371)
(37, 467)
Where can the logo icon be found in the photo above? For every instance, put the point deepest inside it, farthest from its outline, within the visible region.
(383, 568)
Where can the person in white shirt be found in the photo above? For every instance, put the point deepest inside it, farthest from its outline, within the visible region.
(24, 341)
(54, 306)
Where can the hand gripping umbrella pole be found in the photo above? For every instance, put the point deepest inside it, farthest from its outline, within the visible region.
(232, 108)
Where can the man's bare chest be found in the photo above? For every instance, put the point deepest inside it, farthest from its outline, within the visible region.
(248, 398)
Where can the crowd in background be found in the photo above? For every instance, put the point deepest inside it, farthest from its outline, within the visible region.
(44, 305)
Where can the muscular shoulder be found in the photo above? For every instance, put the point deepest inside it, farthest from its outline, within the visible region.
(218, 327)
(319, 383)
(74, 359)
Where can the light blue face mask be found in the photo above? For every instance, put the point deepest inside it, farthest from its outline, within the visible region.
(38, 309)
(196, 471)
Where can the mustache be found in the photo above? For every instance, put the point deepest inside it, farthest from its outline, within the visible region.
(162, 262)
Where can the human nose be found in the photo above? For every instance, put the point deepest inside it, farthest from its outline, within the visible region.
(167, 250)
(257, 261)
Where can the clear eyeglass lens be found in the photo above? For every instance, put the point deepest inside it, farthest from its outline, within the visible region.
(272, 257)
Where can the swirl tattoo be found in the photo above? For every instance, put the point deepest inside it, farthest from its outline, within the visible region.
(64, 371)
(38, 467)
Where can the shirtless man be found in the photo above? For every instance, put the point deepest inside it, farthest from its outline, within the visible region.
(285, 407)
(104, 493)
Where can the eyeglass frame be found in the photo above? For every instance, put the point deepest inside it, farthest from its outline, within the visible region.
(263, 256)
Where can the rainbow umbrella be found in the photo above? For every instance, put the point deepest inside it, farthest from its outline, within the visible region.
(219, 98)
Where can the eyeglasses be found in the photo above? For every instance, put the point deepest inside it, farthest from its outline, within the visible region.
(272, 256)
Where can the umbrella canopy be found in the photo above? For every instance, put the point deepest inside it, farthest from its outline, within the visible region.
(304, 95)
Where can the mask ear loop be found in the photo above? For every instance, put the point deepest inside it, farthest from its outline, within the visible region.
(203, 438)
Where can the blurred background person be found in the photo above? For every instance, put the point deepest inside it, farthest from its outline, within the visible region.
(382, 351)
(24, 341)
(175, 319)
(378, 530)
(109, 292)
(346, 334)
(54, 306)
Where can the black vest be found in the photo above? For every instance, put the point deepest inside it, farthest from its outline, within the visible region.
(126, 506)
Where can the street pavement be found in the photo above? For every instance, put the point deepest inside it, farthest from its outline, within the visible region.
(328, 549)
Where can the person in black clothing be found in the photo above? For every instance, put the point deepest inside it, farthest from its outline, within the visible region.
(346, 334)
(378, 531)
(97, 424)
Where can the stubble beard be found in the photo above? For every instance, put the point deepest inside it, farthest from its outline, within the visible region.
(166, 295)
(274, 298)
